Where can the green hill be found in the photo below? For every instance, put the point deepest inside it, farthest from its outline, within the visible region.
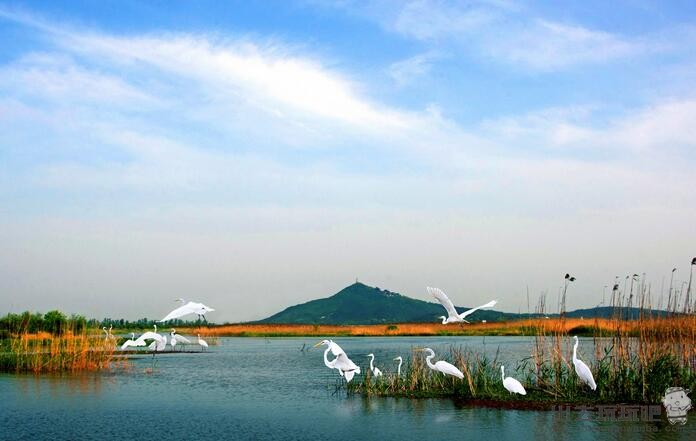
(364, 305)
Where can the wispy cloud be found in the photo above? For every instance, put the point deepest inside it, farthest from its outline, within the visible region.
(511, 34)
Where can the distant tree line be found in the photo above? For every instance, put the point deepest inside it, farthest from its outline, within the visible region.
(58, 323)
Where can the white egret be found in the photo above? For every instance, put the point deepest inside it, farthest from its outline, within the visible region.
(188, 308)
(452, 314)
(583, 371)
(441, 366)
(202, 343)
(398, 368)
(335, 350)
(375, 370)
(345, 365)
(512, 385)
(175, 338)
(148, 336)
(128, 343)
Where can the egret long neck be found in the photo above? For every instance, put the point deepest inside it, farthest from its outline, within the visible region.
(575, 350)
(502, 372)
(372, 359)
(398, 369)
(326, 359)
(427, 360)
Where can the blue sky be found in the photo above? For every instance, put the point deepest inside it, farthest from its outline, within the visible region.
(253, 155)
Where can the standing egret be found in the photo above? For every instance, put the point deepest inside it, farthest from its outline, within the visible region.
(512, 385)
(375, 370)
(452, 314)
(188, 308)
(335, 350)
(202, 343)
(176, 338)
(441, 366)
(398, 368)
(345, 365)
(581, 368)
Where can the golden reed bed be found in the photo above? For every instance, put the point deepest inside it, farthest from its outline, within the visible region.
(520, 327)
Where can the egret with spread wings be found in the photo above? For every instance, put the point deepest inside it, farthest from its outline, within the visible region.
(188, 308)
(345, 366)
(452, 315)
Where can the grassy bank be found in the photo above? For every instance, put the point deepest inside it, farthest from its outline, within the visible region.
(43, 352)
(528, 327)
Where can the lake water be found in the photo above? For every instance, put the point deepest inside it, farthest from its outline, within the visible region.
(256, 388)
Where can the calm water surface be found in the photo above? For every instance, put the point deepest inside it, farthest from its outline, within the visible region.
(256, 388)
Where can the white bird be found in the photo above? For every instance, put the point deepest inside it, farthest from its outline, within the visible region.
(375, 370)
(441, 366)
(511, 384)
(581, 368)
(398, 368)
(335, 349)
(175, 338)
(203, 343)
(148, 336)
(345, 365)
(128, 343)
(159, 345)
(188, 308)
(452, 314)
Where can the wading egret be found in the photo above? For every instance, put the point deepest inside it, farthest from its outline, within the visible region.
(175, 338)
(452, 315)
(441, 366)
(335, 350)
(202, 343)
(345, 365)
(375, 370)
(189, 308)
(584, 372)
(512, 385)
(398, 368)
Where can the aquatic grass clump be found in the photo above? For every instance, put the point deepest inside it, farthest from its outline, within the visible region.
(46, 353)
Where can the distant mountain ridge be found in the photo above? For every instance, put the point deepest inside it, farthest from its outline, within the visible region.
(360, 304)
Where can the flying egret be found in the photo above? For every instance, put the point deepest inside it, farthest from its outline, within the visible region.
(398, 368)
(581, 368)
(512, 385)
(203, 343)
(452, 314)
(188, 308)
(375, 370)
(344, 364)
(441, 366)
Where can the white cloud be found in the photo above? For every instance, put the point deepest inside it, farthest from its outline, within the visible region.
(409, 70)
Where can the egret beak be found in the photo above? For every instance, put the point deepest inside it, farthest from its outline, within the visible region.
(419, 349)
(317, 345)
(395, 358)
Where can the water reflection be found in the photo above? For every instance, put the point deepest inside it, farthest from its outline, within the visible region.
(231, 393)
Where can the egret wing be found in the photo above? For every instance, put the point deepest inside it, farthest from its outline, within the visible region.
(441, 297)
(584, 373)
(473, 310)
(515, 386)
(181, 339)
(336, 350)
(147, 336)
(449, 369)
(181, 311)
